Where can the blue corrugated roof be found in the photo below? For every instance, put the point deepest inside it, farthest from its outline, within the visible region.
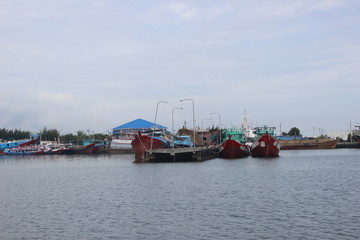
(138, 124)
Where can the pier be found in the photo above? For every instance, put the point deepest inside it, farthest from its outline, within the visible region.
(196, 154)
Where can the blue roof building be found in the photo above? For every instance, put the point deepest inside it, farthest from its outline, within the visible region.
(137, 125)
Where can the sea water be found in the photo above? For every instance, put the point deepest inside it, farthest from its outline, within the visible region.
(303, 194)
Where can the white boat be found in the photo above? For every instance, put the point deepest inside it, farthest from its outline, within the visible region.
(122, 142)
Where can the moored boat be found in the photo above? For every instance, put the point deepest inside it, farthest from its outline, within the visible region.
(234, 146)
(17, 143)
(122, 143)
(101, 146)
(356, 131)
(266, 145)
(124, 134)
(23, 151)
(143, 142)
(296, 142)
(75, 149)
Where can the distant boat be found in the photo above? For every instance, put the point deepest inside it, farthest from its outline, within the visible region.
(234, 146)
(149, 141)
(266, 145)
(78, 149)
(101, 146)
(356, 131)
(122, 142)
(18, 143)
(24, 151)
(296, 142)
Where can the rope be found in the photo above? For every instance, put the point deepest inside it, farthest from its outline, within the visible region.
(142, 144)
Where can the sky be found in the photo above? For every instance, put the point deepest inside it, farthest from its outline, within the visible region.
(96, 64)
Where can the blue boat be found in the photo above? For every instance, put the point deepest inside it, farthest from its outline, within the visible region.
(23, 151)
(13, 144)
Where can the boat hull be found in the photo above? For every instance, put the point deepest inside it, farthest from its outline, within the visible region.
(265, 146)
(141, 143)
(308, 144)
(88, 149)
(233, 149)
(357, 136)
(19, 143)
(22, 152)
(119, 145)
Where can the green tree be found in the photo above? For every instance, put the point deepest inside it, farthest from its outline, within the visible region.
(8, 134)
(294, 132)
(49, 134)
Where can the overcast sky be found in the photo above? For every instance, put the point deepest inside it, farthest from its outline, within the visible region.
(97, 64)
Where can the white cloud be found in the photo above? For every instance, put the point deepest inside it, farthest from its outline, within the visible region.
(55, 97)
(292, 9)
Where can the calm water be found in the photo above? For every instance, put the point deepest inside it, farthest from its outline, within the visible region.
(312, 194)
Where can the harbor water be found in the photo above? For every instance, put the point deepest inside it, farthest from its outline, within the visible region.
(303, 194)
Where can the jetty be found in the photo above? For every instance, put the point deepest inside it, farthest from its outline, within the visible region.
(189, 154)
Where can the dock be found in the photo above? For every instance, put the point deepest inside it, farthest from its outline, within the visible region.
(191, 154)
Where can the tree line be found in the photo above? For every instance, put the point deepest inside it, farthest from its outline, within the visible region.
(51, 135)
(12, 134)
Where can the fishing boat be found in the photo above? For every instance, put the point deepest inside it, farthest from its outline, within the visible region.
(234, 146)
(17, 143)
(265, 145)
(297, 142)
(122, 142)
(51, 147)
(356, 131)
(23, 151)
(101, 146)
(149, 141)
(78, 149)
(123, 135)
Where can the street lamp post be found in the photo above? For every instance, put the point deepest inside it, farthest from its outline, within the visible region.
(157, 106)
(219, 135)
(202, 127)
(193, 104)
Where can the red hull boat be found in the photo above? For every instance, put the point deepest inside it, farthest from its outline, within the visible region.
(233, 149)
(141, 143)
(265, 146)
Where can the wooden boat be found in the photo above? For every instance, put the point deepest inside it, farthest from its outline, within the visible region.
(143, 142)
(307, 143)
(87, 149)
(266, 145)
(101, 146)
(18, 143)
(24, 151)
(234, 146)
